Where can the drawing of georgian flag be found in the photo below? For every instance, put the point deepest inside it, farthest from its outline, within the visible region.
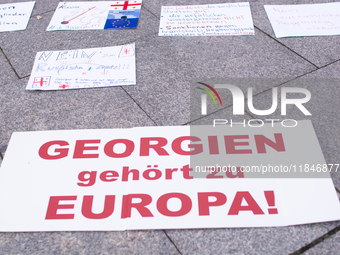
(126, 5)
(127, 51)
(40, 82)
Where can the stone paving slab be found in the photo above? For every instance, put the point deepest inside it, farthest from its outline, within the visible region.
(225, 113)
(95, 108)
(16, 110)
(7, 73)
(330, 246)
(40, 6)
(319, 50)
(279, 240)
(165, 66)
(25, 44)
(129, 242)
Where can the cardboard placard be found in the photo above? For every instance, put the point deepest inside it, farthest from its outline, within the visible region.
(142, 178)
(206, 20)
(84, 68)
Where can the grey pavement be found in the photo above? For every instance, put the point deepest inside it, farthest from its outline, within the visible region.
(165, 67)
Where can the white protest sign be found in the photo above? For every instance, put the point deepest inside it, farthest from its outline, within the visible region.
(95, 15)
(15, 16)
(142, 178)
(84, 68)
(304, 19)
(206, 20)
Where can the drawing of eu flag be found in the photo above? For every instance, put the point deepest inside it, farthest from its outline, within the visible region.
(120, 19)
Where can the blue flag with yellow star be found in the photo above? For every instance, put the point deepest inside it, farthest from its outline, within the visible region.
(120, 19)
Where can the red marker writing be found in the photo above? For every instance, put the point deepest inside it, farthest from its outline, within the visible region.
(67, 21)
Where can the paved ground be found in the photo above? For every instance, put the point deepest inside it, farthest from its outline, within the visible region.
(164, 68)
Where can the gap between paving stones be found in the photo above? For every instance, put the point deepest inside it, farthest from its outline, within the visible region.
(139, 106)
(9, 62)
(317, 241)
(151, 13)
(41, 13)
(172, 241)
(287, 47)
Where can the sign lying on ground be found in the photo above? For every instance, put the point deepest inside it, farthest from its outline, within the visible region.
(145, 178)
(96, 15)
(83, 68)
(206, 20)
(304, 19)
(15, 16)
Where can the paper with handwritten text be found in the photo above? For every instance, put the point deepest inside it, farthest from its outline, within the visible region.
(96, 15)
(206, 20)
(15, 16)
(83, 68)
(304, 19)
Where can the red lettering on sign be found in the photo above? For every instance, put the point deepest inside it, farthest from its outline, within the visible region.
(87, 176)
(177, 145)
(230, 144)
(86, 208)
(54, 205)
(141, 206)
(213, 145)
(62, 152)
(129, 147)
(236, 206)
(239, 173)
(186, 172)
(81, 147)
(162, 204)
(145, 146)
(109, 176)
(261, 140)
(126, 172)
(168, 173)
(213, 172)
(204, 204)
(146, 173)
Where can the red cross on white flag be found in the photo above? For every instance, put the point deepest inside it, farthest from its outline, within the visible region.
(125, 5)
(127, 51)
(40, 82)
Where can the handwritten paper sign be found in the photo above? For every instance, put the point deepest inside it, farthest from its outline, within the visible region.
(142, 178)
(304, 19)
(84, 68)
(15, 16)
(206, 20)
(96, 15)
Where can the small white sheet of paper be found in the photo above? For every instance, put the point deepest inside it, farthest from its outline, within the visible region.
(79, 16)
(206, 20)
(84, 68)
(15, 16)
(304, 19)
